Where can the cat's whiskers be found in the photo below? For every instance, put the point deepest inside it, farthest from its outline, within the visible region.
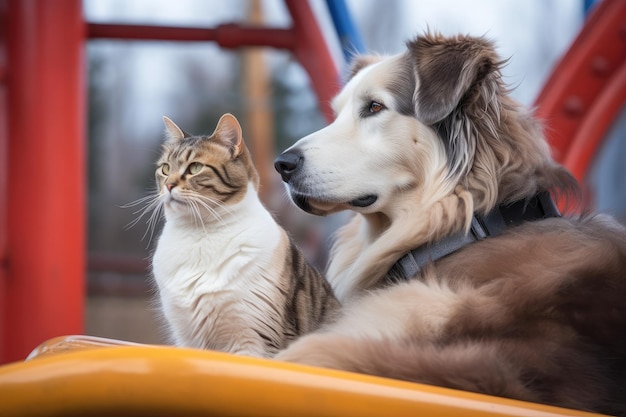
(148, 203)
(208, 202)
(153, 220)
(196, 214)
(196, 205)
(141, 200)
(151, 204)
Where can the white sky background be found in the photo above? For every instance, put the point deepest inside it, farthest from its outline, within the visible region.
(532, 33)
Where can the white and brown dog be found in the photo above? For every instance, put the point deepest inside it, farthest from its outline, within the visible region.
(457, 270)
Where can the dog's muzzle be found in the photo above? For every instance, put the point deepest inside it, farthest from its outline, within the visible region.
(288, 163)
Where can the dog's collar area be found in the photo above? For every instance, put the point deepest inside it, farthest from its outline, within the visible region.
(502, 217)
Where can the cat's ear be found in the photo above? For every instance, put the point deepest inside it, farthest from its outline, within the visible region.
(174, 133)
(228, 131)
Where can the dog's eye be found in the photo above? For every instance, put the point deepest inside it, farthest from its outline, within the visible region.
(371, 107)
(375, 107)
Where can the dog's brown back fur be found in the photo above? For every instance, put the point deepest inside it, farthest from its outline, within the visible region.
(538, 313)
(551, 298)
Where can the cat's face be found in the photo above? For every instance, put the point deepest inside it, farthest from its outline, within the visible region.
(200, 176)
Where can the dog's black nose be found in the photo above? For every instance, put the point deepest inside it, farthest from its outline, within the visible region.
(288, 163)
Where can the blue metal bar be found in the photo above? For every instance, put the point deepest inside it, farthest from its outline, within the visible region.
(351, 42)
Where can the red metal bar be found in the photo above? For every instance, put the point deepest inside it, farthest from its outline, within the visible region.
(4, 246)
(304, 39)
(227, 35)
(4, 162)
(46, 202)
(312, 52)
(591, 132)
(583, 73)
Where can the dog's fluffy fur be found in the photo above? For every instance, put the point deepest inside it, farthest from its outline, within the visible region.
(421, 141)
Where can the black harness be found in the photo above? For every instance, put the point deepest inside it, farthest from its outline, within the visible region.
(539, 207)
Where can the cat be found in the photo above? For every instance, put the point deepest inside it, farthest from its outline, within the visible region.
(228, 277)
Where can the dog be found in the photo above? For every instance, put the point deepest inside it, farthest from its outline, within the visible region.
(457, 269)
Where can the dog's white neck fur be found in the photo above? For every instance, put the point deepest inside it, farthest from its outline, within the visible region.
(366, 248)
(200, 269)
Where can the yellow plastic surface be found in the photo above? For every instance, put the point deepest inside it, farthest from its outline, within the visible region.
(65, 344)
(77, 376)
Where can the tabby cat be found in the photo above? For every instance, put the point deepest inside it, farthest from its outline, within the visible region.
(229, 278)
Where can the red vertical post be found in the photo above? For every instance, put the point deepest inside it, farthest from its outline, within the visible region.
(45, 191)
(312, 52)
(4, 162)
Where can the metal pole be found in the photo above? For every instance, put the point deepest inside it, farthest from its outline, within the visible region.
(46, 202)
(312, 52)
(349, 37)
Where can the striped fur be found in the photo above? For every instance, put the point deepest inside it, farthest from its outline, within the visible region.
(228, 276)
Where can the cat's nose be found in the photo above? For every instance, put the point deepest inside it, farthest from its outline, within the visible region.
(170, 185)
(288, 163)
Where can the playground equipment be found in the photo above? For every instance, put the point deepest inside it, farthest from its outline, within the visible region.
(587, 90)
(41, 300)
(81, 376)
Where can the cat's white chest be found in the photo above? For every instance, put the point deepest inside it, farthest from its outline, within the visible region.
(205, 275)
(186, 255)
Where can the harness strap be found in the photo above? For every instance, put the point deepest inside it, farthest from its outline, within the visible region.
(492, 224)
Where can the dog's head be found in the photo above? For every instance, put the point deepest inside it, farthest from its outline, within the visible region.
(416, 125)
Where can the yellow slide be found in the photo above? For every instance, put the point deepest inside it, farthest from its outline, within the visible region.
(82, 376)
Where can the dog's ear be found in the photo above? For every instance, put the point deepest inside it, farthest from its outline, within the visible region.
(361, 61)
(447, 68)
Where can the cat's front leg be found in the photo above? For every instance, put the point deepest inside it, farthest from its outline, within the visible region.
(250, 346)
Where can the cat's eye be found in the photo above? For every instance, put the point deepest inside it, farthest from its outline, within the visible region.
(194, 168)
(165, 169)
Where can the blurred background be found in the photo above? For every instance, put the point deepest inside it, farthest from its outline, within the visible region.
(131, 84)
